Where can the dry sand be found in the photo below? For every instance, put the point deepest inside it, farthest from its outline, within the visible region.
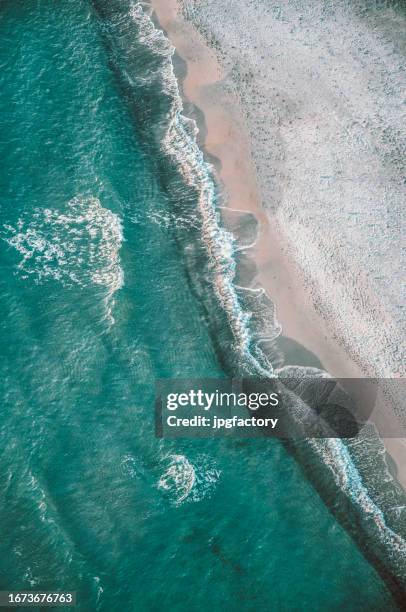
(228, 140)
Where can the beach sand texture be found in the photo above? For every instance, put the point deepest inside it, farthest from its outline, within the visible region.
(302, 111)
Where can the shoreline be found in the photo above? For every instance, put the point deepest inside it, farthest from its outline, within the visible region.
(277, 272)
(237, 177)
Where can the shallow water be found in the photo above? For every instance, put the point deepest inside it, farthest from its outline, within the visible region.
(97, 302)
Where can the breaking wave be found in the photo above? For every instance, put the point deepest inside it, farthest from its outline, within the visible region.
(249, 311)
(183, 481)
(78, 245)
(179, 143)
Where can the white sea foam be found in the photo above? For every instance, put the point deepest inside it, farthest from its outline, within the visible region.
(76, 245)
(100, 590)
(184, 481)
(179, 142)
(178, 479)
(335, 454)
(337, 457)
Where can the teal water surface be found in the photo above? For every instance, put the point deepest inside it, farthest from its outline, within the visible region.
(96, 304)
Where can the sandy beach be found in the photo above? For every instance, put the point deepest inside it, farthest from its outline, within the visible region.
(202, 85)
(324, 325)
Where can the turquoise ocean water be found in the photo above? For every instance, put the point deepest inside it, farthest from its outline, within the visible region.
(101, 236)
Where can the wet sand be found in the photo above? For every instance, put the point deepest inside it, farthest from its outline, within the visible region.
(228, 140)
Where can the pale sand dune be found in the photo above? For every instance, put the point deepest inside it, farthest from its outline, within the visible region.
(304, 254)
